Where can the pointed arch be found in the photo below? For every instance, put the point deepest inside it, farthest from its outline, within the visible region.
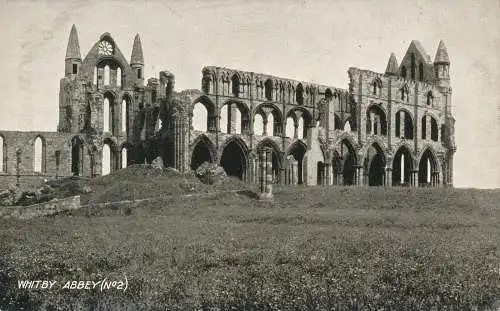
(404, 124)
(77, 154)
(235, 84)
(106, 75)
(271, 116)
(118, 76)
(203, 115)
(376, 87)
(427, 166)
(234, 157)
(125, 155)
(376, 120)
(203, 150)
(238, 117)
(402, 166)
(108, 157)
(349, 161)
(268, 89)
(299, 94)
(374, 165)
(295, 156)
(39, 154)
(276, 157)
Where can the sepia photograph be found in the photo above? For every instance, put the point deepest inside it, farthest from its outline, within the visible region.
(249, 155)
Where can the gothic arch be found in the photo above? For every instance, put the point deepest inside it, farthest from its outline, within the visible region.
(276, 156)
(202, 150)
(349, 161)
(277, 118)
(39, 154)
(234, 157)
(409, 121)
(244, 112)
(77, 156)
(377, 126)
(428, 164)
(297, 151)
(402, 166)
(374, 164)
(203, 118)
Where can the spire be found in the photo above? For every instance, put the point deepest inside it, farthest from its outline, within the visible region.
(392, 65)
(73, 50)
(137, 57)
(442, 54)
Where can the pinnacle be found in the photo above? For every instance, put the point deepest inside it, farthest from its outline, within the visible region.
(137, 56)
(392, 65)
(73, 49)
(442, 54)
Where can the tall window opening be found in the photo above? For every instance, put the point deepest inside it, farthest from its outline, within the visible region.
(106, 75)
(118, 76)
(268, 85)
(39, 158)
(412, 66)
(235, 85)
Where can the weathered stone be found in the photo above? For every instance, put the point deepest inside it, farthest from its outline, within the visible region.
(157, 163)
(210, 173)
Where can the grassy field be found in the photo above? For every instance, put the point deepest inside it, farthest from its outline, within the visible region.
(312, 248)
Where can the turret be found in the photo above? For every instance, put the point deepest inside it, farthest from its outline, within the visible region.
(137, 60)
(73, 59)
(442, 66)
(392, 66)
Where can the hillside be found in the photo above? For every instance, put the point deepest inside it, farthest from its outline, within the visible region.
(313, 248)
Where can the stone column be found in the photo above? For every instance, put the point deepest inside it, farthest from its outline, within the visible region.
(328, 174)
(266, 174)
(372, 123)
(388, 177)
(414, 178)
(18, 169)
(58, 156)
(231, 118)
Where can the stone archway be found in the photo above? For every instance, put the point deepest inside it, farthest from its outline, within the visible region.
(349, 162)
(234, 159)
(402, 167)
(297, 152)
(202, 152)
(375, 165)
(426, 168)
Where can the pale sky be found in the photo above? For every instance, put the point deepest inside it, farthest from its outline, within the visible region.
(314, 41)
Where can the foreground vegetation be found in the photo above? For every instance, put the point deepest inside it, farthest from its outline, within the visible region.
(313, 248)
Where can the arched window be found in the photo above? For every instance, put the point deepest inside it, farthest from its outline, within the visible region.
(403, 72)
(106, 117)
(106, 159)
(118, 76)
(404, 94)
(106, 75)
(124, 116)
(235, 81)
(124, 157)
(268, 86)
(430, 98)
(39, 155)
(200, 117)
(434, 129)
(424, 127)
(299, 95)
(421, 72)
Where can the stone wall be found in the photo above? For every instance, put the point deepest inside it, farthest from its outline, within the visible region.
(41, 209)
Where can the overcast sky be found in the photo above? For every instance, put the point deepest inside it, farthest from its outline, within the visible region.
(313, 41)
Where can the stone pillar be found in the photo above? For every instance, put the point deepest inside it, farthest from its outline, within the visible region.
(388, 177)
(427, 127)
(58, 157)
(328, 174)
(414, 178)
(359, 175)
(379, 126)
(266, 174)
(18, 169)
(340, 179)
(264, 132)
(231, 118)
(372, 123)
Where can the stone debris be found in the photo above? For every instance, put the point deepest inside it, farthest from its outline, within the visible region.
(210, 173)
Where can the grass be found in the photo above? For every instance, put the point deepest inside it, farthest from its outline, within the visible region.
(312, 248)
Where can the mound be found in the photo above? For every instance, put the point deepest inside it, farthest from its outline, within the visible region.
(145, 181)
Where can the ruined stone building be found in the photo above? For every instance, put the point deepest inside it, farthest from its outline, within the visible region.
(389, 128)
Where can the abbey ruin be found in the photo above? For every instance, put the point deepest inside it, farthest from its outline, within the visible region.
(392, 128)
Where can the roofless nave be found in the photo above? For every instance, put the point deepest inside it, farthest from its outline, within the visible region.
(391, 128)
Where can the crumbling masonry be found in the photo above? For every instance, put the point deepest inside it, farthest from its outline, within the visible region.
(392, 128)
